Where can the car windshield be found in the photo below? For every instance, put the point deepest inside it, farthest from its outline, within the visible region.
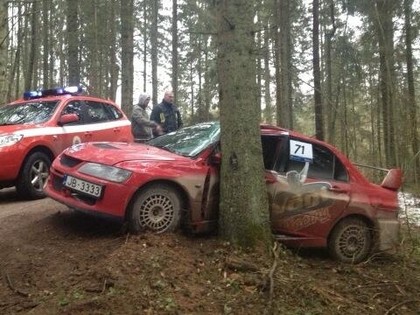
(189, 141)
(26, 113)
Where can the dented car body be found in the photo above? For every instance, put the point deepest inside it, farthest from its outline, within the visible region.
(318, 198)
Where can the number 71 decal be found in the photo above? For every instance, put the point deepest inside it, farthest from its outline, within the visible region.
(300, 151)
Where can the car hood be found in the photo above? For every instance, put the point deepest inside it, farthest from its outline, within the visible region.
(112, 153)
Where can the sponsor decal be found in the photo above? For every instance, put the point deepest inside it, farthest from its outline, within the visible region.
(298, 205)
(290, 203)
(302, 221)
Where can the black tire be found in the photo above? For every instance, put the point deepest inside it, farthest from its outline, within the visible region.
(157, 208)
(33, 176)
(350, 241)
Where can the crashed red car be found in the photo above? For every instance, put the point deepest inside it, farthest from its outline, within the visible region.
(36, 128)
(317, 197)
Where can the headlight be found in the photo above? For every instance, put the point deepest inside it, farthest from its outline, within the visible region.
(8, 140)
(110, 173)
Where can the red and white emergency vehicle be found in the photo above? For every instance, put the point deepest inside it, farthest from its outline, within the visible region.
(38, 127)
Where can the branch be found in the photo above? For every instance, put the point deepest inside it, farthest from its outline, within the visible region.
(10, 285)
(399, 304)
(271, 274)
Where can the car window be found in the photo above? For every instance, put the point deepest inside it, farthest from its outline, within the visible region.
(271, 146)
(102, 112)
(35, 112)
(325, 165)
(78, 108)
(97, 112)
(113, 112)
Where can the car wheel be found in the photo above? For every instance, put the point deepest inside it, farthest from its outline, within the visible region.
(33, 176)
(157, 208)
(350, 241)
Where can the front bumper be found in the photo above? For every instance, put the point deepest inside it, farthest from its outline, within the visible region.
(113, 202)
(11, 160)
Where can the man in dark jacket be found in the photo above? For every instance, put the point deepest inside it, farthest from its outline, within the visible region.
(141, 125)
(166, 114)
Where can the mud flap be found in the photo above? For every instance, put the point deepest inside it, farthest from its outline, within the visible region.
(388, 235)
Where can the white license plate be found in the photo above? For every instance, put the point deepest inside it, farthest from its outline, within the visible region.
(83, 186)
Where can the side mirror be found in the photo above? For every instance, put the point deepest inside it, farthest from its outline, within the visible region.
(216, 158)
(67, 119)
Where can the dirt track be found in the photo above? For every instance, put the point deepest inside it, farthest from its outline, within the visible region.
(43, 245)
(55, 261)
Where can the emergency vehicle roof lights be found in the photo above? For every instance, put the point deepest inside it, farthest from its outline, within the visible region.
(72, 90)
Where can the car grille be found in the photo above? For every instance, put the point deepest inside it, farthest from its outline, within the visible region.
(69, 161)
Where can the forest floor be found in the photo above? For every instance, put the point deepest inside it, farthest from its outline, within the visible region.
(55, 261)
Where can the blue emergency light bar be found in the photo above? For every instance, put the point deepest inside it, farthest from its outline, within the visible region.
(72, 90)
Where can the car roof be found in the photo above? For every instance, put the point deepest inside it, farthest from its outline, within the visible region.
(267, 129)
(62, 97)
(276, 130)
(78, 92)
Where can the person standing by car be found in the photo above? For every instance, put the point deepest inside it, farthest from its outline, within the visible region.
(166, 114)
(141, 125)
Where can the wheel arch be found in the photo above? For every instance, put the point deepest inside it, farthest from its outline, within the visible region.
(368, 221)
(26, 186)
(185, 204)
(38, 148)
(42, 149)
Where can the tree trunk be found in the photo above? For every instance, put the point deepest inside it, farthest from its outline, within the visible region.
(127, 55)
(154, 49)
(319, 119)
(145, 41)
(46, 4)
(331, 109)
(277, 63)
(3, 51)
(113, 53)
(175, 49)
(414, 137)
(268, 113)
(382, 19)
(286, 64)
(73, 42)
(244, 217)
(30, 71)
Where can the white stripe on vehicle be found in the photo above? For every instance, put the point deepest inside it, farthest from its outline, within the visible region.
(45, 131)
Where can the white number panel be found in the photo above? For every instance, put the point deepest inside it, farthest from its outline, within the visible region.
(300, 151)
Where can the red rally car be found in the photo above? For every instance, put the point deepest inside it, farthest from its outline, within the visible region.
(36, 128)
(317, 197)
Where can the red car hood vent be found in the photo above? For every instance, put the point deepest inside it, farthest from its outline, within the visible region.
(105, 145)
